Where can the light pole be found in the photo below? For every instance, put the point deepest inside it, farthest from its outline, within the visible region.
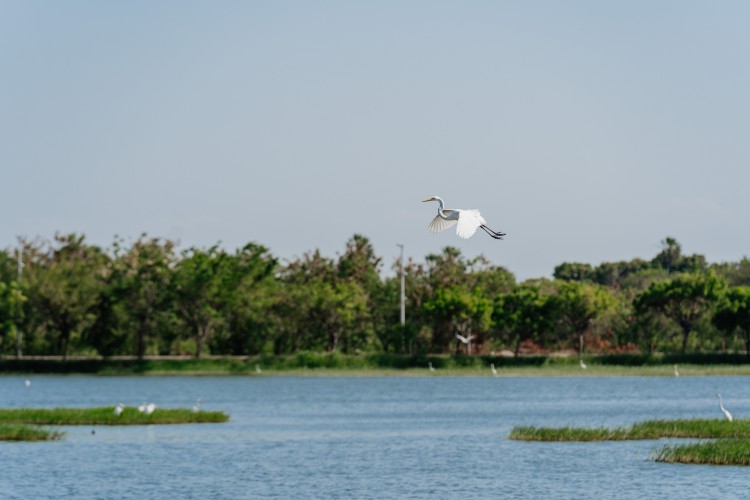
(403, 294)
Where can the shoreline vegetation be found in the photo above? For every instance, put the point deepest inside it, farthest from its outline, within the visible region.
(145, 297)
(336, 364)
(20, 432)
(22, 424)
(648, 430)
(728, 443)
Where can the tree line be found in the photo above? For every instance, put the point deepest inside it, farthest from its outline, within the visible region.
(146, 298)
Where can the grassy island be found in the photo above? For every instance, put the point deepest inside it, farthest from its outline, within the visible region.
(729, 445)
(106, 416)
(650, 429)
(20, 424)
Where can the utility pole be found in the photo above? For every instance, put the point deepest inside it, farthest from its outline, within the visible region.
(403, 295)
(19, 333)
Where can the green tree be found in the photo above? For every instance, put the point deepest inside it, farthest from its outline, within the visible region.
(359, 265)
(733, 314)
(736, 273)
(686, 300)
(456, 310)
(320, 309)
(523, 314)
(578, 305)
(64, 282)
(198, 289)
(138, 299)
(453, 298)
(573, 271)
(248, 289)
(11, 312)
(671, 259)
(670, 256)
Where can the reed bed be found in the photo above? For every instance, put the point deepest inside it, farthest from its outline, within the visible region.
(720, 452)
(567, 434)
(650, 429)
(19, 432)
(106, 416)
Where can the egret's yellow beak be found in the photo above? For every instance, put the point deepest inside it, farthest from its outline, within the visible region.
(428, 199)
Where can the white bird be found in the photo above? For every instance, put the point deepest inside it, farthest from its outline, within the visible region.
(492, 367)
(429, 365)
(582, 364)
(119, 409)
(258, 370)
(196, 407)
(676, 373)
(142, 408)
(724, 410)
(463, 339)
(27, 383)
(149, 409)
(468, 221)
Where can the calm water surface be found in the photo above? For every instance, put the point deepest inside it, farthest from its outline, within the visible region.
(390, 437)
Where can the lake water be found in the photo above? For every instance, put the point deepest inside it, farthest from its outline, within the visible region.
(389, 437)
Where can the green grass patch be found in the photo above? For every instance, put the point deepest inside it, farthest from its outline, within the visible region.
(106, 416)
(567, 434)
(720, 452)
(650, 429)
(19, 432)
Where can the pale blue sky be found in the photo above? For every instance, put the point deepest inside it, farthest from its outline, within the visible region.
(586, 130)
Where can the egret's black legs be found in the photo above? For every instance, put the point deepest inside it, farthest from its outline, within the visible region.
(493, 234)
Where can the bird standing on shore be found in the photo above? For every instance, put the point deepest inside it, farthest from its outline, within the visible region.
(468, 221)
(724, 410)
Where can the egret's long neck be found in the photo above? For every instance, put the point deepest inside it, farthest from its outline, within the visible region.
(441, 205)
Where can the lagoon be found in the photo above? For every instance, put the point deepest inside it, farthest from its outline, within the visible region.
(367, 437)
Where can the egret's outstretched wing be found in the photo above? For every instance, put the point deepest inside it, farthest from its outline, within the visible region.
(439, 224)
(468, 222)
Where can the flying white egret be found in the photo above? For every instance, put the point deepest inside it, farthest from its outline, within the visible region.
(466, 341)
(582, 364)
(492, 367)
(119, 409)
(724, 410)
(468, 221)
(149, 409)
(676, 373)
(429, 365)
(27, 383)
(463, 339)
(196, 407)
